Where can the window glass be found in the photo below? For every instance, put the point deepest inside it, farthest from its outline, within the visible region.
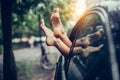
(91, 24)
(91, 44)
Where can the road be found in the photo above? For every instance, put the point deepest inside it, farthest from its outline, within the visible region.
(28, 63)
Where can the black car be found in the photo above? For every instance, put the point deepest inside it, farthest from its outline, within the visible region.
(100, 65)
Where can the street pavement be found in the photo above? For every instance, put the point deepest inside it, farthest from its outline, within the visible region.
(29, 59)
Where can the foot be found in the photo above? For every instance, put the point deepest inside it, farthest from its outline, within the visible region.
(90, 49)
(95, 36)
(56, 23)
(50, 39)
(83, 42)
(89, 39)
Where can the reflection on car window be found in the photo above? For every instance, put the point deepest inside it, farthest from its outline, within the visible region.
(90, 38)
(91, 24)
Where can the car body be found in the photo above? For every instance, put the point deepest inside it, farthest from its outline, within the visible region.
(104, 64)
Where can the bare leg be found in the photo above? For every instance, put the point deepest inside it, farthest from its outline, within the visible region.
(85, 52)
(58, 27)
(62, 47)
(59, 32)
(89, 39)
(51, 40)
(56, 22)
(90, 49)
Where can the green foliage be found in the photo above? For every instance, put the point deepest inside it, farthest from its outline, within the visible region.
(26, 15)
(64, 6)
(29, 26)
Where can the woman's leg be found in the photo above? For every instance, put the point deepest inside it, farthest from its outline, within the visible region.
(90, 49)
(51, 40)
(58, 27)
(89, 39)
(59, 32)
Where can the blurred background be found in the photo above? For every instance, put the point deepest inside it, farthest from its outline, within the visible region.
(34, 59)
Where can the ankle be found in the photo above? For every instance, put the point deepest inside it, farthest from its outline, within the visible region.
(56, 41)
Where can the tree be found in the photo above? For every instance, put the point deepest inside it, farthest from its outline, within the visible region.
(25, 19)
(9, 66)
(1, 41)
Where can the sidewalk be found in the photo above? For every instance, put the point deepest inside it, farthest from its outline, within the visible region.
(28, 63)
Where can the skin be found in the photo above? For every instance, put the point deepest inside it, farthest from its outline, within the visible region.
(58, 27)
(89, 39)
(59, 39)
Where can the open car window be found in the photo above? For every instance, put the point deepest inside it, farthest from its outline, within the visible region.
(103, 63)
(91, 24)
(97, 53)
(88, 59)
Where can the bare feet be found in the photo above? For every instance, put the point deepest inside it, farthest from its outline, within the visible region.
(50, 39)
(83, 42)
(85, 52)
(56, 23)
(90, 49)
(95, 36)
(58, 27)
(89, 39)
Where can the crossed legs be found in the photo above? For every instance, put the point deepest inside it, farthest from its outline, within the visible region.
(59, 39)
(51, 40)
(58, 27)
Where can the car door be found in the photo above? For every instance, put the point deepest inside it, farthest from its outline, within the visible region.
(102, 64)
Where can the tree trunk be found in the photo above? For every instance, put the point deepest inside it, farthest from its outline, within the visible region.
(9, 66)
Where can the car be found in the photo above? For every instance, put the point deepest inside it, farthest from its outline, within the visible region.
(103, 64)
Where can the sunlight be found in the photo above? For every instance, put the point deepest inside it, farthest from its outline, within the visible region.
(79, 8)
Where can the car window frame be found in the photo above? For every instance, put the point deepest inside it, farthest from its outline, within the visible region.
(109, 40)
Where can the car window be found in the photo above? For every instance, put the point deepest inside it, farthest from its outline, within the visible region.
(91, 56)
(91, 24)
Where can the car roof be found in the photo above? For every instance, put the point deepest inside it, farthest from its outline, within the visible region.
(112, 8)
